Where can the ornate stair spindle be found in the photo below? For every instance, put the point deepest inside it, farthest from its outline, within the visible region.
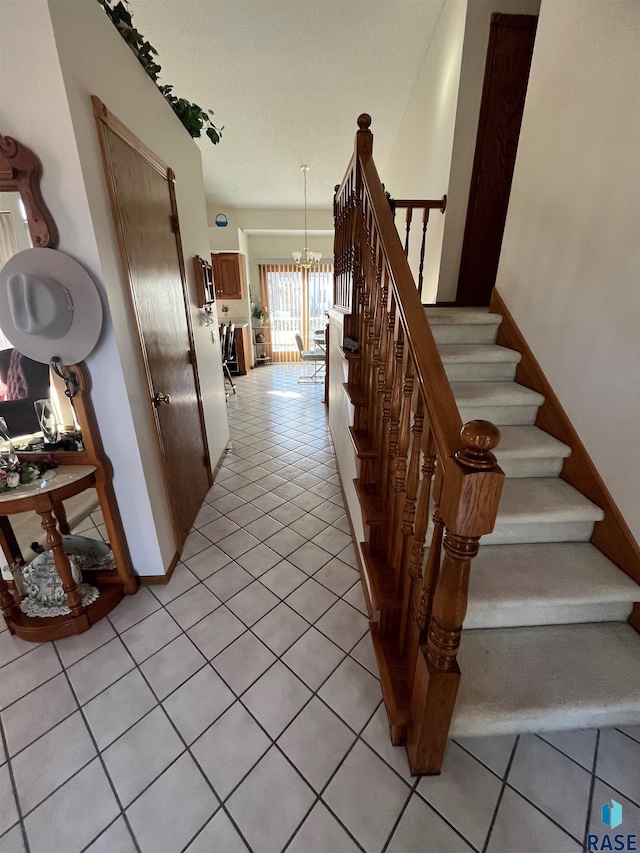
(399, 485)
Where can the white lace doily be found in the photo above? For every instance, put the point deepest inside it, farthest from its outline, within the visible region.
(31, 607)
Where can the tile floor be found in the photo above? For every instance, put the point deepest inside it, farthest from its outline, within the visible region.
(238, 707)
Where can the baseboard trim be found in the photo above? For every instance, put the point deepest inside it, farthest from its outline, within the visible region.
(152, 580)
(612, 535)
(356, 548)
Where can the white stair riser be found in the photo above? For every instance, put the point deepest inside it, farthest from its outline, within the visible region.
(518, 614)
(532, 467)
(550, 531)
(500, 415)
(500, 371)
(465, 333)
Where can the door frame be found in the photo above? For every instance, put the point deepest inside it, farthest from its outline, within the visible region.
(498, 19)
(105, 119)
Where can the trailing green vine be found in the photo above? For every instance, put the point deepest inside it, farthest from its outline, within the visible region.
(192, 116)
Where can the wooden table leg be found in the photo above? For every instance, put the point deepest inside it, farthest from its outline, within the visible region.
(7, 603)
(8, 541)
(61, 516)
(61, 561)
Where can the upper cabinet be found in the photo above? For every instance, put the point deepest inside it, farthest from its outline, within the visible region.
(228, 275)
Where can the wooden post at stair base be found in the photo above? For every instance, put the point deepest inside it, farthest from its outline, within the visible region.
(469, 504)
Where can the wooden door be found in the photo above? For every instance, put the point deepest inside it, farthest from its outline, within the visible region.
(505, 84)
(145, 214)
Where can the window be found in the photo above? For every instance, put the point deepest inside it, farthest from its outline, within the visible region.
(296, 300)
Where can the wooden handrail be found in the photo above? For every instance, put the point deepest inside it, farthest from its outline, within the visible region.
(421, 204)
(430, 373)
(426, 206)
(414, 453)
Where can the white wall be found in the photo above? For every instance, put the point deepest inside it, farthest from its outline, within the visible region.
(46, 128)
(116, 77)
(419, 162)
(474, 55)
(79, 53)
(569, 268)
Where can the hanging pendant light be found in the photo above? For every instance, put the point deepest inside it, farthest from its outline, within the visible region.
(307, 260)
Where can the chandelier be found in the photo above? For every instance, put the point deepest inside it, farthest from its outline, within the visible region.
(306, 260)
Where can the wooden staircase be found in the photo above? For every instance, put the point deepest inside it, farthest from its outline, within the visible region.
(509, 644)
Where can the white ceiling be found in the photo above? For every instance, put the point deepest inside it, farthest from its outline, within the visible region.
(288, 79)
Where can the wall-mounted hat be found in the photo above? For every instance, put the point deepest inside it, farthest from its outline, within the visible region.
(49, 306)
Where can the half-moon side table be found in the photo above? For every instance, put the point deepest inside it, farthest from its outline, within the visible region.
(70, 480)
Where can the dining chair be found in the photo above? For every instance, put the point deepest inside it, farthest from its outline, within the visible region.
(316, 356)
(227, 334)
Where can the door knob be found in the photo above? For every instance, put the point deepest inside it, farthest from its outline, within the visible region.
(161, 398)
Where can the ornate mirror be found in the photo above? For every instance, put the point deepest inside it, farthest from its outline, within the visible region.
(47, 414)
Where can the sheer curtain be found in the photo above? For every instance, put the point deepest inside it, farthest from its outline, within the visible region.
(296, 300)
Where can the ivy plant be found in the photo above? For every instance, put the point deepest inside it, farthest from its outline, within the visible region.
(193, 117)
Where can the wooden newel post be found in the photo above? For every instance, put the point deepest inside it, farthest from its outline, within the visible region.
(364, 137)
(469, 504)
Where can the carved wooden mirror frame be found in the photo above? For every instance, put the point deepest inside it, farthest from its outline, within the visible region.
(20, 171)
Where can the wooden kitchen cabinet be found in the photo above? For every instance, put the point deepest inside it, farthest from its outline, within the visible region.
(241, 357)
(228, 275)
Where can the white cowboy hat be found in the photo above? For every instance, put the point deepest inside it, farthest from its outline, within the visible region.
(49, 306)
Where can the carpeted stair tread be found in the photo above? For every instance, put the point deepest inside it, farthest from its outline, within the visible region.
(479, 362)
(463, 325)
(474, 353)
(547, 678)
(527, 451)
(539, 499)
(529, 441)
(546, 584)
(448, 316)
(494, 394)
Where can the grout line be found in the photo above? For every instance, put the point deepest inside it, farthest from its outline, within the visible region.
(591, 789)
(187, 749)
(14, 789)
(399, 817)
(631, 737)
(501, 794)
(322, 439)
(540, 736)
(101, 760)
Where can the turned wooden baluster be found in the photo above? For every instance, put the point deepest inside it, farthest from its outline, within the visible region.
(414, 517)
(425, 222)
(469, 502)
(378, 381)
(388, 364)
(399, 485)
(369, 327)
(394, 422)
(407, 230)
(376, 399)
(431, 574)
